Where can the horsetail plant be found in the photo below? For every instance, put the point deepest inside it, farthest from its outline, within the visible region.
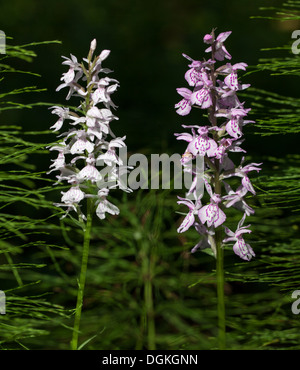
(89, 143)
(23, 314)
(214, 142)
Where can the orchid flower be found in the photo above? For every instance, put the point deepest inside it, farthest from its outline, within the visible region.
(207, 237)
(190, 217)
(215, 89)
(86, 144)
(236, 199)
(211, 213)
(89, 137)
(242, 249)
(202, 95)
(220, 50)
(185, 105)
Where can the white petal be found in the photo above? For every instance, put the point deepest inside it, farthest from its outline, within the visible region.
(104, 54)
(89, 172)
(105, 206)
(186, 223)
(73, 195)
(219, 218)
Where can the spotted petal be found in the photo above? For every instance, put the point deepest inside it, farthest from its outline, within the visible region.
(233, 128)
(186, 223)
(232, 81)
(73, 195)
(219, 218)
(184, 107)
(243, 250)
(105, 206)
(192, 77)
(247, 184)
(202, 98)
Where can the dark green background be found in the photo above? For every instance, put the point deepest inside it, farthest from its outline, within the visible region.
(147, 39)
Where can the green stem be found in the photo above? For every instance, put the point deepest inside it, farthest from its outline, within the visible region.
(218, 235)
(150, 307)
(14, 270)
(220, 291)
(148, 321)
(82, 278)
(220, 270)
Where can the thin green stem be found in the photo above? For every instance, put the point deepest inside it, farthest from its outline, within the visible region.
(218, 234)
(14, 270)
(220, 270)
(55, 263)
(88, 226)
(82, 278)
(220, 291)
(150, 307)
(148, 321)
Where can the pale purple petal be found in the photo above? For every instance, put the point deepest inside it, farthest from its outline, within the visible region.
(186, 223)
(184, 136)
(184, 92)
(198, 96)
(219, 218)
(232, 81)
(192, 76)
(212, 148)
(208, 39)
(184, 107)
(207, 214)
(242, 220)
(233, 128)
(187, 202)
(223, 36)
(247, 184)
(243, 250)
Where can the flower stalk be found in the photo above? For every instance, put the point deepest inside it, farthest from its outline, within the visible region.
(220, 291)
(86, 145)
(83, 272)
(214, 142)
(149, 306)
(218, 233)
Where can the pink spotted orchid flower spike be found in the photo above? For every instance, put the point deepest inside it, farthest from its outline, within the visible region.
(87, 142)
(214, 89)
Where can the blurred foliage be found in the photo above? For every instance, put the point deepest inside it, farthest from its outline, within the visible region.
(143, 284)
(22, 194)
